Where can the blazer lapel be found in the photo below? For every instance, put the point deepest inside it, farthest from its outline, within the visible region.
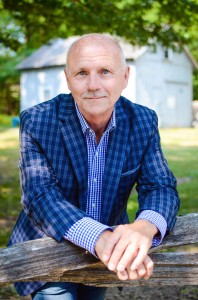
(76, 146)
(117, 145)
(77, 151)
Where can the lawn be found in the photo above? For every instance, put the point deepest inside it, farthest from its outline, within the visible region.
(180, 148)
(9, 182)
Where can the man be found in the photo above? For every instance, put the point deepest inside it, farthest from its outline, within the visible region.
(81, 154)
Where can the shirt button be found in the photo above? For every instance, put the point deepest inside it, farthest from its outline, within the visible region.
(96, 153)
(93, 205)
(95, 180)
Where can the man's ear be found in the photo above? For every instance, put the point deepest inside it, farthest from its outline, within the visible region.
(67, 78)
(126, 75)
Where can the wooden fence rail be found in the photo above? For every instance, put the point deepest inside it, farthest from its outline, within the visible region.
(46, 260)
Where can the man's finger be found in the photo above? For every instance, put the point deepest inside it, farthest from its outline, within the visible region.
(148, 263)
(116, 255)
(122, 275)
(127, 257)
(141, 271)
(110, 245)
(133, 275)
(143, 251)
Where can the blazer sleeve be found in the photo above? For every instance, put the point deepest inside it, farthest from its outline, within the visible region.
(156, 184)
(42, 198)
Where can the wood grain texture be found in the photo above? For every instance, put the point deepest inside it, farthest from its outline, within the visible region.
(46, 260)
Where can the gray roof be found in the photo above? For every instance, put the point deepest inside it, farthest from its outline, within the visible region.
(54, 53)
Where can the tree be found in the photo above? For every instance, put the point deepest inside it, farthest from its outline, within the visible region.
(28, 24)
(141, 22)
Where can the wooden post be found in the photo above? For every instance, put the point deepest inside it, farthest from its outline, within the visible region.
(46, 260)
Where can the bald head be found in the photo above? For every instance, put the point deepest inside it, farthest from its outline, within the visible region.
(96, 74)
(97, 40)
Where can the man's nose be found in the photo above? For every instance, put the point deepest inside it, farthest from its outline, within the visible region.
(93, 82)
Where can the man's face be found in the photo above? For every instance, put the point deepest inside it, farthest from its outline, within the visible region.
(96, 77)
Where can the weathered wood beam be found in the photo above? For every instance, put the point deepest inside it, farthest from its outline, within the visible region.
(47, 260)
(170, 269)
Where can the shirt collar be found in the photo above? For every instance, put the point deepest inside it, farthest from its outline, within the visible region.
(85, 126)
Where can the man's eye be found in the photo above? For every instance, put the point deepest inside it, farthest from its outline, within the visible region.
(82, 73)
(105, 71)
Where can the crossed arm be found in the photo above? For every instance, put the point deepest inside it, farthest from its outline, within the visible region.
(125, 250)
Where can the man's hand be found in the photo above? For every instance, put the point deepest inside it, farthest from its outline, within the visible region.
(125, 250)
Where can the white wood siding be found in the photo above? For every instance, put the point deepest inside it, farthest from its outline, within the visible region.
(165, 85)
(41, 85)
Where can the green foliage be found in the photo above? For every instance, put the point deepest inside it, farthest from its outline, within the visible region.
(141, 22)
(25, 25)
(9, 85)
(10, 31)
(195, 85)
(9, 81)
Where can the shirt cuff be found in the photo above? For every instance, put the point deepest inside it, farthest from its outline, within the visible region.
(158, 220)
(85, 232)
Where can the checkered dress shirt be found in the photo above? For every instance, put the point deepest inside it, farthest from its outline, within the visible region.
(86, 231)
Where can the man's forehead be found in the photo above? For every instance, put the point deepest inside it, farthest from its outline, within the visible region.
(88, 48)
(95, 43)
(95, 39)
(93, 57)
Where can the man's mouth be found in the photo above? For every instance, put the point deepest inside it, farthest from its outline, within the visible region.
(94, 96)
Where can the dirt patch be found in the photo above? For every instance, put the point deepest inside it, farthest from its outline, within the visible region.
(128, 293)
(7, 223)
(154, 293)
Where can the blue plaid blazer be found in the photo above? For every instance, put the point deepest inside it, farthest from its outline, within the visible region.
(53, 171)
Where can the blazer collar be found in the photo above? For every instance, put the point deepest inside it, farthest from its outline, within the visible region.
(120, 113)
(67, 108)
(75, 144)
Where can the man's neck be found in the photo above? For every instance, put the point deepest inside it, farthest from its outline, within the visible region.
(98, 123)
(99, 127)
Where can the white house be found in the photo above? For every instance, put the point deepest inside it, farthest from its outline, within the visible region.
(160, 79)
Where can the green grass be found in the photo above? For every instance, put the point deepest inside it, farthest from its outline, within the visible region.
(180, 148)
(9, 182)
(5, 121)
